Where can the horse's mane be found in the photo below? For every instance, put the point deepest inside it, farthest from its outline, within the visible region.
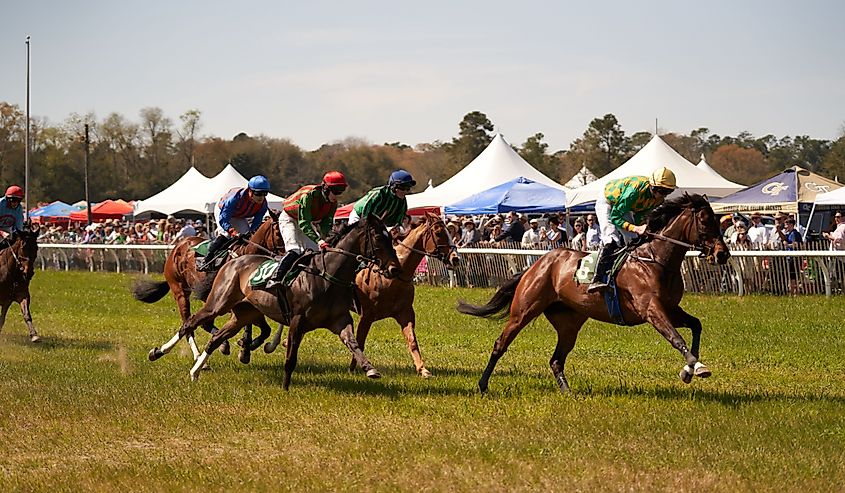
(336, 236)
(668, 210)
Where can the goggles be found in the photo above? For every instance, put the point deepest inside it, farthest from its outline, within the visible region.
(337, 189)
(260, 193)
(662, 190)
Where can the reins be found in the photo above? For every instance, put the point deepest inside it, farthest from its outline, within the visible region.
(361, 258)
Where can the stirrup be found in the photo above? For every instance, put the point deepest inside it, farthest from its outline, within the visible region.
(596, 286)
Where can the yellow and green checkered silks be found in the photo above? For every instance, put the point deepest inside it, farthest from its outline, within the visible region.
(631, 194)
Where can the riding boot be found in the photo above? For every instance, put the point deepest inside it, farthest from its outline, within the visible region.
(605, 262)
(284, 266)
(215, 247)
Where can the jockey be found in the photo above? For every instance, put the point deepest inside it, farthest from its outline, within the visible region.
(621, 210)
(11, 212)
(387, 202)
(306, 220)
(233, 212)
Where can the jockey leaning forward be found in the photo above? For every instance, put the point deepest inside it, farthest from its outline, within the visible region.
(387, 202)
(239, 212)
(11, 213)
(621, 211)
(306, 220)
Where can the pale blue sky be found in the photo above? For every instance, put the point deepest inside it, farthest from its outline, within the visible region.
(318, 71)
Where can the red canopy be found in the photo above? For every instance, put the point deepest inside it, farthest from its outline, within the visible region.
(107, 209)
(343, 212)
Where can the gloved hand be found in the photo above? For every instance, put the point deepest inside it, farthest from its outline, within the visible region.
(322, 244)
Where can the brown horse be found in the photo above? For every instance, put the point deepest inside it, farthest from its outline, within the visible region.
(17, 266)
(182, 277)
(380, 297)
(321, 296)
(650, 288)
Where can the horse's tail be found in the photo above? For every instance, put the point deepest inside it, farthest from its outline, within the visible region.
(149, 291)
(202, 288)
(499, 305)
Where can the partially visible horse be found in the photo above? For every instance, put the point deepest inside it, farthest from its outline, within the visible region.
(380, 297)
(17, 266)
(320, 296)
(182, 277)
(649, 284)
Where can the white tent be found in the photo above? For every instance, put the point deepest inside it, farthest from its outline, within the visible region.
(655, 154)
(497, 164)
(583, 177)
(194, 192)
(836, 197)
(226, 180)
(703, 165)
(180, 196)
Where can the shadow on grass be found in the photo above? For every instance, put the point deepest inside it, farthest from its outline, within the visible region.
(393, 384)
(729, 398)
(53, 343)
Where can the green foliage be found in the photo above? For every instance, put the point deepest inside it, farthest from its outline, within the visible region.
(86, 411)
(473, 137)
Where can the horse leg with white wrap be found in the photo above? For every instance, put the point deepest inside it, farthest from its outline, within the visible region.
(661, 321)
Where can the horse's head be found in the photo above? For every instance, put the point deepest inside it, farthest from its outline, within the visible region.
(437, 242)
(25, 250)
(268, 235)
(374, 244)
(690, 218)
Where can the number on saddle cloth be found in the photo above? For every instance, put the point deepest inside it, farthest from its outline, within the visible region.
(587, 267)
(263, 273)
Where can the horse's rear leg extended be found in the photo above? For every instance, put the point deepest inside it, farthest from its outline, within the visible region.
(567, 323)
(27, 317)
(520, 316)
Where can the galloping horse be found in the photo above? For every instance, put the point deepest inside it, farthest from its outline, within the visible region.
(321, 296)
(649, 284)
(380, 297)
(17, 266)
(182, 277)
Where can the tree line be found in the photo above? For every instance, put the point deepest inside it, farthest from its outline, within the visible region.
(133, 159)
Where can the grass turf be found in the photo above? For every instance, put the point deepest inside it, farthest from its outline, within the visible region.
(85, 410)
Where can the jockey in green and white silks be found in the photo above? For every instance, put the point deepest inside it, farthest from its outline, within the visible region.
(621, 212)
(388, 202)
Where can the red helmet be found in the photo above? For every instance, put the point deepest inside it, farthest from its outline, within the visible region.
(14, 191)
(334, 179)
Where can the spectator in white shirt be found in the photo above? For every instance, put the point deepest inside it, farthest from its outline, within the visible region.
(592, 233)
(758, 234)
(187, 230)
(531, 237)
(837, 236)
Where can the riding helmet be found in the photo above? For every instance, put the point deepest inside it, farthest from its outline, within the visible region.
(259, 184)
(334, 179)
(401, 177)
(14, 191)
(663, 177)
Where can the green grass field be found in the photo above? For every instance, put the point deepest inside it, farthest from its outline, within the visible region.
(84, 410)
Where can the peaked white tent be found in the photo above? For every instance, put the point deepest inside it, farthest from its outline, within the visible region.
(226, 180)
(655, 154)
(497, 164)
(181, 196)
(194, 192)
(702, 165)
(583, 177)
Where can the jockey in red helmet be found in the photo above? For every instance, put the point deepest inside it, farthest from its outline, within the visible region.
(11, 211)
(307, 218)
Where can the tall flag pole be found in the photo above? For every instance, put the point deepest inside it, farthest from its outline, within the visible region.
(26, 152)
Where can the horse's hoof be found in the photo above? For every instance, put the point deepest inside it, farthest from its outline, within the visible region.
(154, 354)
(425, 373)
(686, 374)
(373, 373)
(224, 349)
(35, 338)
(240, 343)
(195, 376)
(269, 348)
(482, 388)
(244, 357)
(702, 371)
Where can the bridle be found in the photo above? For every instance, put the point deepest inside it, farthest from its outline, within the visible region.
(437, 253)
(274, 248)
(701, 244)
(369, 258)
(20, 260)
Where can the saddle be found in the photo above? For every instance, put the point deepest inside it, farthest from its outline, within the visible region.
(584, 275)
(220, 257)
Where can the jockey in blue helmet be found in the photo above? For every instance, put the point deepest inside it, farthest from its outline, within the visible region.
(239, 212)
(388, 202)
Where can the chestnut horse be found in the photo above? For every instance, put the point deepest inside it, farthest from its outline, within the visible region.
(320, 296)
(649, 285)
(182, 277)
(17, 266)
(380, 297)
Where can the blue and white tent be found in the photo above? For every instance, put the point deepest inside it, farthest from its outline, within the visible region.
(519, 194)
(793, 190)
(57, 210)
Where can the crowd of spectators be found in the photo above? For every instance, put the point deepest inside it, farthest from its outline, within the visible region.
(117, 232)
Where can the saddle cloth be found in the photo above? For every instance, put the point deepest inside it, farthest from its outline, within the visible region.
(584, 275)
(201, 249)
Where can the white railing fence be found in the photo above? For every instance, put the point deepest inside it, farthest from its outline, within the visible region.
(752, 271)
